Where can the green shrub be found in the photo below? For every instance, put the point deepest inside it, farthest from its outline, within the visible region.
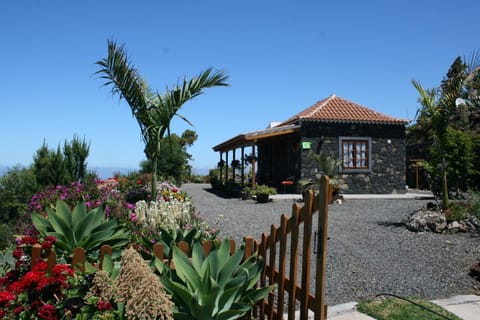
(16, 189)
(474, 203)
(263, 189)
(216, 286)
(79, 228)
(456, 211)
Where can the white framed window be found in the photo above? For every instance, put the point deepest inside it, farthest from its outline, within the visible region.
(355, 153)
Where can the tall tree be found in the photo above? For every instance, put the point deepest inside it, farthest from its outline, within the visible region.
(442, 108)
(75, 155)
(153, 111)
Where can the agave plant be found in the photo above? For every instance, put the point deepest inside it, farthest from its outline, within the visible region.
(170, 238)
(79, 228)
(217, 286)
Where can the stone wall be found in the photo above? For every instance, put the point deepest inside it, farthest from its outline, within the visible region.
(388, 162)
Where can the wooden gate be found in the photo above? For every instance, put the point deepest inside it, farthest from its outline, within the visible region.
(287, 243)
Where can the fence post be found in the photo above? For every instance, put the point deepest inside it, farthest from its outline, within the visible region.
(320, 279)
(79, 258)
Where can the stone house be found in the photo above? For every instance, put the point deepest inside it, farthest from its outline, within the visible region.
(368, 145)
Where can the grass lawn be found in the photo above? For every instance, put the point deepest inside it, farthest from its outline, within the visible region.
(392, 308)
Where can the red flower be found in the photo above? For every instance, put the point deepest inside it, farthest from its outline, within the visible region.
(50, 238)
(48, 312)
(139, 182)
(18, 310)
(6, 297)
(17, 253)
(103, 305)
(48, 242)
(29, 240)
(40, 266)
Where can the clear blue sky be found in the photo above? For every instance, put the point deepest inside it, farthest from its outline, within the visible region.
(281, 56)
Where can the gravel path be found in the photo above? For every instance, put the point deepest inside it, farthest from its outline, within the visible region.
(368, 253)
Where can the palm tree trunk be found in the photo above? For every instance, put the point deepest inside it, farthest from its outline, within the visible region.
(155, 157)
(154, 178)
(444, 183)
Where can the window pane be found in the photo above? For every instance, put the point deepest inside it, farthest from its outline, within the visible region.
(355, 154)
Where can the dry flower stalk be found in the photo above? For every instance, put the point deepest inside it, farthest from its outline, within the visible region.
(141, 290)
(102, 287)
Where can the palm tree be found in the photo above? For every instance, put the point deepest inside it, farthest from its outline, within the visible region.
(440, 104)
(153, 111)
(435, 111)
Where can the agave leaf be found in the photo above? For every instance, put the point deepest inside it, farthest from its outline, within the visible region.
(197, 257)
(213, 262)
(89, 268)
(63, 211)
(160, 266)
(228, 297)
(85, 225)
(61, 240)
(183, 296)
(237, 310)
(204, 307)
(177, 315)
(59, 221)
(257, 294)
(229, 267)
(110, 224)
(184, 269)
(100, 237)
(107, 264)
(117, 244)
(40, 222)
(224, 252)
(78, 213)
(238, 281)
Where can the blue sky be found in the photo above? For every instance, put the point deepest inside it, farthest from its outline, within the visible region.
(281, 56)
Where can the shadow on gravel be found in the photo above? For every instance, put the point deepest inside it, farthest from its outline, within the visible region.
(392, 224)
(224, 195)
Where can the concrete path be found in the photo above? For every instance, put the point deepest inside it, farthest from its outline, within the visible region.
(466, 307)
(411, 194)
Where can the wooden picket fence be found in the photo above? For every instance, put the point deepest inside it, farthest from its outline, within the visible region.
(282, 242)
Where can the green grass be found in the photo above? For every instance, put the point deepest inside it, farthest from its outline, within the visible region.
(392, 308)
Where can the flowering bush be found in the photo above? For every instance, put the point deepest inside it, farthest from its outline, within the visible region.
(94, 195)
(40, 292)
(169, 220)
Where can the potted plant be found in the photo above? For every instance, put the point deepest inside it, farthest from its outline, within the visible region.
(263, 192)
(246, 193)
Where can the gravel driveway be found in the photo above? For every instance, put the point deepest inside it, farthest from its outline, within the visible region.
(368, 252)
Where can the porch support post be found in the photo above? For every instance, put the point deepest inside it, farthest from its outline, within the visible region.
(253, 165)
(226, 167)
(234, 151)
(243, 166)
(220, 167)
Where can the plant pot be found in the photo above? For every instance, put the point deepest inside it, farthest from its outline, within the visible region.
(263, 197)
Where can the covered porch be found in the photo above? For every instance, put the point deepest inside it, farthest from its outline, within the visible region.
(272, 154)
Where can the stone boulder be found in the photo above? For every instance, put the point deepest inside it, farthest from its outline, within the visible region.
(427, 221)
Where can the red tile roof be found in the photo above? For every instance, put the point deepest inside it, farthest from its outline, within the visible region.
(336, 109)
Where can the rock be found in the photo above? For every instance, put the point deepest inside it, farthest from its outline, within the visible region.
(454, 225)
(424, 220)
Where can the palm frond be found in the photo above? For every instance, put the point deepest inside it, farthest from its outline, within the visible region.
(123, 78)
